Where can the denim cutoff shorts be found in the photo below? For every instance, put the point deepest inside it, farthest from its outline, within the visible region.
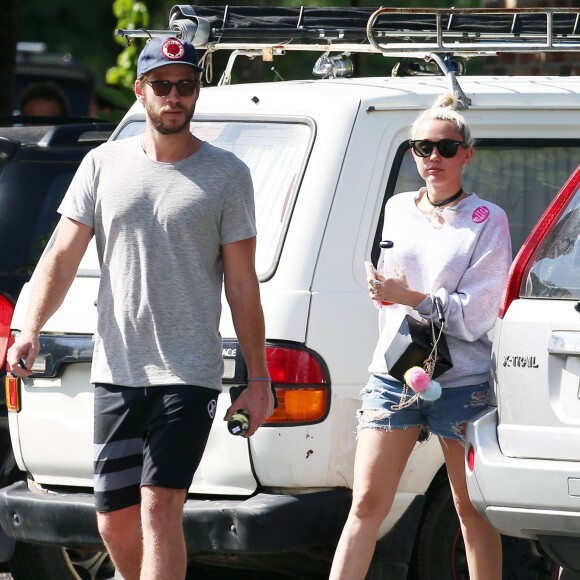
(445, 417)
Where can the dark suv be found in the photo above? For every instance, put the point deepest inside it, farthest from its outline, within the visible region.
(37, 164)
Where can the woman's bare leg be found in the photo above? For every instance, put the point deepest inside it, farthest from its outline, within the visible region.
(482, 540)
(381, 457)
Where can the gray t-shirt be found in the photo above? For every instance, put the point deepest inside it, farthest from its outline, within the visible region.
(465, 263)
(159, 229)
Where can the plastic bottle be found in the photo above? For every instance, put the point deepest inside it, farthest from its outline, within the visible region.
(239, 422)
(393, 270)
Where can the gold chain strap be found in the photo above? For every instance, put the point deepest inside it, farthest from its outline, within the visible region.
(428, 364)
(431, 360)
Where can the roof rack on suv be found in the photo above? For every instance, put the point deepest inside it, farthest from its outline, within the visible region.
(434, 34)
(464, 31)
(473, 31)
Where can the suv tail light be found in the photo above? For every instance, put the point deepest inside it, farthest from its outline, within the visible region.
(12, 386)
(302, 385)
(6, 311)
(471, 459)
(525, 257)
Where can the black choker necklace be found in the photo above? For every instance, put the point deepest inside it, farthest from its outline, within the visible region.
(445, 201)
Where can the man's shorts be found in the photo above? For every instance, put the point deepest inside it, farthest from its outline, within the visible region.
(148, 436)
(446, 416)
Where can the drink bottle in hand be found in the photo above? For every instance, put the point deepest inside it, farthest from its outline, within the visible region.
(239, 422)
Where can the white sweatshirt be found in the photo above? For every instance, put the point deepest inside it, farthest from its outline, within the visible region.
(465, 263)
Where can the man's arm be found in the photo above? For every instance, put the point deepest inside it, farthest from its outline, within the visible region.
(52, 279)
(243, 294)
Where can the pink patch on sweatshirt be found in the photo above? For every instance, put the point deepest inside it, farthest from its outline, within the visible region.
(480, 214)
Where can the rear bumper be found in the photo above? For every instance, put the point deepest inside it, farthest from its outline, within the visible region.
(262, 524)
(531, 498)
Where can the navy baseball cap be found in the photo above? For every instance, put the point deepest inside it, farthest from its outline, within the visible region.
(163, 51)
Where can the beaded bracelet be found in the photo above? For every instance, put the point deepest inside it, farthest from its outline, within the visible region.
(259, 379)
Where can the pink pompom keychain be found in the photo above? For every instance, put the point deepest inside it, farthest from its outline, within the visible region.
(422, 384)
(417, 379)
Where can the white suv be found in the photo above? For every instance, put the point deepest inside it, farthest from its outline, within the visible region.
(523, 458)
(325, 155)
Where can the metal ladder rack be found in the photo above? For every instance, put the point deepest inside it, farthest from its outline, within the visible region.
(473, 31)
(390, 31)
(432, 34)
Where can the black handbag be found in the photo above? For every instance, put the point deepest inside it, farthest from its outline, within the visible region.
(419, 343)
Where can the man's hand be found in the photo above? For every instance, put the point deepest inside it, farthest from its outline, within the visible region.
(51, 281)
(25, 350)
(258, 401)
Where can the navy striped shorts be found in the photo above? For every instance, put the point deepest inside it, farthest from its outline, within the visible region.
(148, 436)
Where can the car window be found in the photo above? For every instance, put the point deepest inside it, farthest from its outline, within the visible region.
(521, 178)
(42, 186)
(47, 216)
(554, 272)
(276, 154)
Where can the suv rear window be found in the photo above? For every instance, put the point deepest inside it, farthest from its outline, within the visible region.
(555, 269)
(276, 154)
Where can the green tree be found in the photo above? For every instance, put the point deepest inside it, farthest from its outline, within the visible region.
(131, 15)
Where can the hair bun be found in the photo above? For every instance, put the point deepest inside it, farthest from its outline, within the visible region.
(446, 100)
(445, 109)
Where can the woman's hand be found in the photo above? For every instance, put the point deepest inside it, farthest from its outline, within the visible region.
(394, 290)
(388, 289)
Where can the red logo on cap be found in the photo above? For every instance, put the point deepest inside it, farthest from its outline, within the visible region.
(173, 49)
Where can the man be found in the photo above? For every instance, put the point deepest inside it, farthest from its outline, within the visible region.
(44, 99)
(172, 215)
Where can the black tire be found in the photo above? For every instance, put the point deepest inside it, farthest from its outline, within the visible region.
(39, 562)
(439, 552)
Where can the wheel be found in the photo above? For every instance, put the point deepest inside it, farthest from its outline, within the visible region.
(439, 552)
(39, 562)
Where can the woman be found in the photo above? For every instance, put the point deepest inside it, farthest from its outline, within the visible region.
(448, 244)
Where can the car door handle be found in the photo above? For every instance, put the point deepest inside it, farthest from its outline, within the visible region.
(564, 342)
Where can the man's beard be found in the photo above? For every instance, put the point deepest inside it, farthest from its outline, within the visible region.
(156, 118)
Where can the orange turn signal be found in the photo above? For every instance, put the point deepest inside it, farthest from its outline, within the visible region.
(12, 385)
(300, 405)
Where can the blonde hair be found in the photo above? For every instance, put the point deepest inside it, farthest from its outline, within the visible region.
(444, 109)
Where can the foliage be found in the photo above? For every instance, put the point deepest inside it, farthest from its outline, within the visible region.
(131, 15)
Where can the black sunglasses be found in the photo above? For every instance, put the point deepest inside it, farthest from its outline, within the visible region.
(446, 147)
(185, 88)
